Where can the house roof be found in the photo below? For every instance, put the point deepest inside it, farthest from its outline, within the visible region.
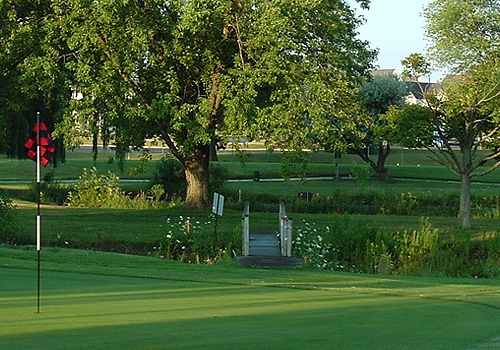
(415, 89)
(419, 89)
(385, 72)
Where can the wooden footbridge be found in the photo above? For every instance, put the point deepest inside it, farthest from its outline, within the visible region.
(268, 248)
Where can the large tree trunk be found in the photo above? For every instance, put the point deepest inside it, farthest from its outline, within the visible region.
(197, 177)
(379, 167)
(383, 153)
(465, 206)
(213, 150)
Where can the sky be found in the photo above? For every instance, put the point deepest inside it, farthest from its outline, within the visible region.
(396, 28)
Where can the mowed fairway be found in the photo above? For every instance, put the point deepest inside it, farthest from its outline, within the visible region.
(94, 300)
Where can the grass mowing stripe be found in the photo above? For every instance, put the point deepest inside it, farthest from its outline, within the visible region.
(481, 291)
(176, 314)
(111, 301)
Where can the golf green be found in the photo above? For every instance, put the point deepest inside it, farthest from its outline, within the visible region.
(86, 310)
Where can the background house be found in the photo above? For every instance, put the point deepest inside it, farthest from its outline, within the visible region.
(416, 90)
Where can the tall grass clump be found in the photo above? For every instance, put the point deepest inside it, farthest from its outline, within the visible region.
(196, 241)
(417, 250)
(489, 255)
(424, 252)
(338, 246)
(486, 207)
(428, 251)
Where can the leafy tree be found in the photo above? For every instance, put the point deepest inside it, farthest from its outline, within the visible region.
(462, 119)
(31, 80)
(377, 96)
(416, 67)
(16, 42)
(463, 33)
(195, 71)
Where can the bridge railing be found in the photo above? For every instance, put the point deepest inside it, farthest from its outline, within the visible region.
(285, 231)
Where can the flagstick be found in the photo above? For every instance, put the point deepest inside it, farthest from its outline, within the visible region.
(38, 208)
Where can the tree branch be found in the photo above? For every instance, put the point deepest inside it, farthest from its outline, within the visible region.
(124, 76)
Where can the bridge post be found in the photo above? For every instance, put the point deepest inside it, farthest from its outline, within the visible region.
(289, 237)
(246, 230)
(285, 232)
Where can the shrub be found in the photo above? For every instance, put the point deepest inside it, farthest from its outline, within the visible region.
(259, 202)
(94, 190)
(218, 177)
(487, 253)
(9, 228)
(51, 192)
(362, 174)
(487, 207)
(366, 202)
(156, 193)
(102, 191)
(170, 174)
(379, 254)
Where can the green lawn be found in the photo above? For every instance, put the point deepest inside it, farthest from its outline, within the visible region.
(94, 300)
(402, 163)
(330, 186)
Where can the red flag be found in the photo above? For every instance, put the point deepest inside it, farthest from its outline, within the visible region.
(45, 142)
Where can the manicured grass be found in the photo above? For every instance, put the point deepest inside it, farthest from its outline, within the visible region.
(328, 187)
(402, 163)
(94, 300)
(25, 170)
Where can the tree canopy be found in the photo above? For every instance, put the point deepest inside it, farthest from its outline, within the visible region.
(32, 81)
(463, 33)
(377, 96)
(198, 72)
(460, 124)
